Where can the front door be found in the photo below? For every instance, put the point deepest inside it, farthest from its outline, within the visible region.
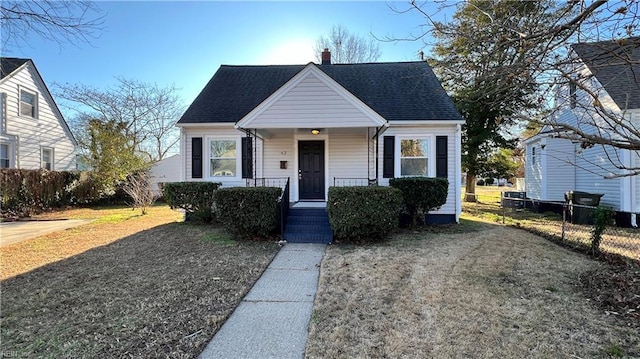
(311, 170)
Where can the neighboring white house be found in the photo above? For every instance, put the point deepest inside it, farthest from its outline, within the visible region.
(165, 170)
(324, 125)
(555, 165)
(33, 133)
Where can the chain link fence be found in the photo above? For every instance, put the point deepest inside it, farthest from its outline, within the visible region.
(573, 224)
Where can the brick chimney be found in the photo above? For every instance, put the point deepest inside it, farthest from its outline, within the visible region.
(326, 57)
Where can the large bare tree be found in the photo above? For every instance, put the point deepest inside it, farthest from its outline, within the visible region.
(346, 47)
(148, 112)
(58, 21)
(545, 54)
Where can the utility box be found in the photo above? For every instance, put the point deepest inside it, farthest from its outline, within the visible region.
(580, 214)
(513, 203)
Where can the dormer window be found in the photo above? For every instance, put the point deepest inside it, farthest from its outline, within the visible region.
(28, 104)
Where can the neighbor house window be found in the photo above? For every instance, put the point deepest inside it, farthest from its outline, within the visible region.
(4, 156)
(414, 157)
(573, 94)
(47, 158)
(223, 158)
(28, 104)
(533, 155)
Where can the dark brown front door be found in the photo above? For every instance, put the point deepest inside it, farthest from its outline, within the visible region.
(311, 169)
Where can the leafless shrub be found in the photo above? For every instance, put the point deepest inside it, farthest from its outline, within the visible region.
(139, 189)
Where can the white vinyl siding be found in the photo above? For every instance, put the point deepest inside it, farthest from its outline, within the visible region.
(427, 132)
(559, 172)
(279, 147)
(348, 156)
(594, 166)
(312, 104)
(533, 171)
(29, 135)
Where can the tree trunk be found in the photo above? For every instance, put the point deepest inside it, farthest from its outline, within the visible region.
(470, 190)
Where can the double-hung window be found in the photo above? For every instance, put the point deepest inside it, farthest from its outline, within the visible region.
(533, 155)
(28, 104)
(224, 158)
(47, 158)
(4, 156)
(414, 157)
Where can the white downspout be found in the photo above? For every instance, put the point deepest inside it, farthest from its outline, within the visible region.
(458, 171)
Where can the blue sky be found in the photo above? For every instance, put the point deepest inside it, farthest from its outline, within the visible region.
(183, 43)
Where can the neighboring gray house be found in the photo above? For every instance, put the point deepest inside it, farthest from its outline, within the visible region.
(555, 165)
(33, 133)
(324, 125)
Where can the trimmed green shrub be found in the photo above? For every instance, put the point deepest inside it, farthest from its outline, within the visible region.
(363, 214)
(248, 212)
(196, 198)
(421, 194)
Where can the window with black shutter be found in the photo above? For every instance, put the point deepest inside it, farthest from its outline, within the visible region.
(441, 156)
(388, 155)
(196, 157)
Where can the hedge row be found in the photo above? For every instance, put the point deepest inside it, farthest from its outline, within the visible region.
(196, 198)
(249, 212)
(23, 192)
(363, 214)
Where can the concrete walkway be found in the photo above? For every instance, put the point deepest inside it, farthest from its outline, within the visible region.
(14, 232)
(273, 318)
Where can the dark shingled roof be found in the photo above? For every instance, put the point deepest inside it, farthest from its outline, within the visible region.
(616, 65)
(9, 65)
(395, 90)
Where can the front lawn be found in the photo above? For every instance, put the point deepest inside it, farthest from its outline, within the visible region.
(489, 291)
(160, 290)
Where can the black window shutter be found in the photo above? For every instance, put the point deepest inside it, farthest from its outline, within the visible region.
(441, 156)
(388, 155)
(196, 157)
(247, 157)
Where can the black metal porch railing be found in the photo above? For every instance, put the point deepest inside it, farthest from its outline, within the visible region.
(267, 182)
(284, 207)
(353, 182)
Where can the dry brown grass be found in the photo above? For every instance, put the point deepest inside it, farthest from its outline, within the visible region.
(109, 224)
(493, 292)
(126, 288)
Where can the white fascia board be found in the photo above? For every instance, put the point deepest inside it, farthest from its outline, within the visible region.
(311, 68)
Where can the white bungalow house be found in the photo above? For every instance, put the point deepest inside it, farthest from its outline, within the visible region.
(33, 133)
(606, 72)
(323, 125)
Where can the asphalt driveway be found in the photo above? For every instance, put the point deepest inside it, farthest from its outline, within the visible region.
(14, 232)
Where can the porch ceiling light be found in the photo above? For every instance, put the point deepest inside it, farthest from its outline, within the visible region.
(315, 131)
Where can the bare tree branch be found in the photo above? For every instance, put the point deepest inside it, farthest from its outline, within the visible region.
(59, 21)
(346, 47)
